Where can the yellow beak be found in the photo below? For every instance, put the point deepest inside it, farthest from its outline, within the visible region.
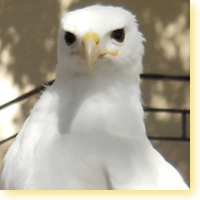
(91, 50)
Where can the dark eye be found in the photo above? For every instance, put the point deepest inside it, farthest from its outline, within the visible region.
(118, 35)
(70, 38)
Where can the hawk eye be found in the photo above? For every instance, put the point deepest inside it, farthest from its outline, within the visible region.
(70, 38)
(118, 35)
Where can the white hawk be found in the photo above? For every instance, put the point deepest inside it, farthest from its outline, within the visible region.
(87, 130)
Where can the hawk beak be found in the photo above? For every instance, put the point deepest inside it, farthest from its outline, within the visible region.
(91, 50)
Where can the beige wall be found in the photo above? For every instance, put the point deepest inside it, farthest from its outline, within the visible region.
(28, 39)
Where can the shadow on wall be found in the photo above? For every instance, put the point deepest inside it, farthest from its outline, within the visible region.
(28, 33)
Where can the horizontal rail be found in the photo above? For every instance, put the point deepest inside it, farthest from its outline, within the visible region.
(170, 110)
(26, 95)
(165, 77)
(8, 139)
(170, 138)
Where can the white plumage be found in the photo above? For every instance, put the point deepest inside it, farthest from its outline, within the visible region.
(87, 130)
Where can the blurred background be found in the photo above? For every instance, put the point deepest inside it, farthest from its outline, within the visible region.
(28, 43)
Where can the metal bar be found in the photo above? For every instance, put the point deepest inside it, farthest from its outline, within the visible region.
(170, 110)
(165, 77)
(7, 139)
(184, 126)
(26, 95)
(169, 139)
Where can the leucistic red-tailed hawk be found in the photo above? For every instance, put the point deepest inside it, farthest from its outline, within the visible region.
(87, 130)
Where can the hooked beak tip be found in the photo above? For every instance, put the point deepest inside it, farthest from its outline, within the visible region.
(91, 50)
